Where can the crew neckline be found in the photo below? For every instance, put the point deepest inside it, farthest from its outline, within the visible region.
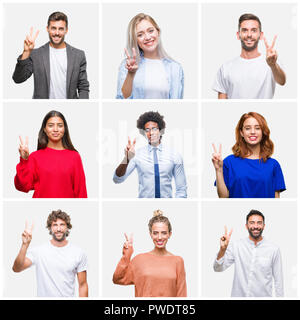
(55, 149)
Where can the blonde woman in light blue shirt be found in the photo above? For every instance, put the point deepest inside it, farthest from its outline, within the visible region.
(148, 72)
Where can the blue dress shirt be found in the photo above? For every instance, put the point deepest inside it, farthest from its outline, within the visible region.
(174, 74)
(170, 165)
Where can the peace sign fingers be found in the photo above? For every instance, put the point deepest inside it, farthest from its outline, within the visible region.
(131, 64)
(27, 233)
(129, 241)
(271, 54)
(217, 157)
(23, 148)
(130, 149)
(29, 41)
(224, 241)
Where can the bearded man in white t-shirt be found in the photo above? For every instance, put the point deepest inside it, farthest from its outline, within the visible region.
(57, 262)
(251, 75)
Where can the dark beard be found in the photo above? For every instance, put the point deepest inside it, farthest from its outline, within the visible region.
(255, 236)
(249, 48)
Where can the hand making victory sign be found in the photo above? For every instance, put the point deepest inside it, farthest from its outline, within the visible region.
(23, 148)
(131, 64)
(217, 158)
(130, 149)
(224, 242)
(27, 234)
(271, 53)
(128, 245)
(271, 59)
(29, 43)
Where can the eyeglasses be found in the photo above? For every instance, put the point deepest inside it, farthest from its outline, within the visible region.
(154, 129)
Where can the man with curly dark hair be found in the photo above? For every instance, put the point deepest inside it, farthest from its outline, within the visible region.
(57, 262)
(155, 163)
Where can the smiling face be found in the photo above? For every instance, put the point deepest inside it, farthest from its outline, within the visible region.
(55, 129)
(251, 131)
(147, 37)
(249, 34)
(59, 230)
(152, 133)
(255, 226)
(57, 31)
(160, 234)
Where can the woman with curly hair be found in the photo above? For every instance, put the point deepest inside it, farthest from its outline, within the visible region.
(157, 273)
(148, 72)
(249, 172)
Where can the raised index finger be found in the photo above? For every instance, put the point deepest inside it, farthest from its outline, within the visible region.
(126, 237)
(266, 43)
(214, 147)
(225, 230)
(21, 140)
(127, 53)
(36, 34)
(133, 54)
(273, 42)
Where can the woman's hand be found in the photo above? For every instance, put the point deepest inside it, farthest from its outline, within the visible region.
(217, 158)
(23, 148)
(131, 64)
(128, 245)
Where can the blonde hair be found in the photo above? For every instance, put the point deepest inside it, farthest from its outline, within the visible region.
(132, 38)
(159, 217)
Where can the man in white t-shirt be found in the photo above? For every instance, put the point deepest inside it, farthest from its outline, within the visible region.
(57, 262)
(59, 69)
(251, 75)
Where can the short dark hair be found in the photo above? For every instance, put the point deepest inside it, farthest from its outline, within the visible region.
(59, 214)
(57, 16)
(249, 16)
(254, 213)
(151, 116)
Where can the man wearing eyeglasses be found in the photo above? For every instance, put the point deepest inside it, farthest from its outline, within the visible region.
(59, 69)
(155, 163)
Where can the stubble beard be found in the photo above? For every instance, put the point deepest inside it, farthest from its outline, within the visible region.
(247, 48)
(59, 43)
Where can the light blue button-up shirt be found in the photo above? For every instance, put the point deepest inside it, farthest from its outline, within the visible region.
(170, 165)
(174, 74)
(255, 268)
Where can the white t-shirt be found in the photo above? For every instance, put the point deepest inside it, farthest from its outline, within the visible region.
(156, 82)
(58, 73)
(245, 79)
(56, 268)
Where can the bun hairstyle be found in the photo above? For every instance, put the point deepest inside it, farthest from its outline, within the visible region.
(159, 217)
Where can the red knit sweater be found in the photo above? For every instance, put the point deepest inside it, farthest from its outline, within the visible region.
(52, 174)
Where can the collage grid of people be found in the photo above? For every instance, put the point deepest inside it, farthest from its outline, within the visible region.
(149, 150)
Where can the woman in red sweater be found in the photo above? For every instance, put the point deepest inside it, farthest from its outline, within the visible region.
(55, 170)
(157, 273)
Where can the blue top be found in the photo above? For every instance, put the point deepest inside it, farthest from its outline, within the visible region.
(252, 178)
(174, 74)
(170, 165)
